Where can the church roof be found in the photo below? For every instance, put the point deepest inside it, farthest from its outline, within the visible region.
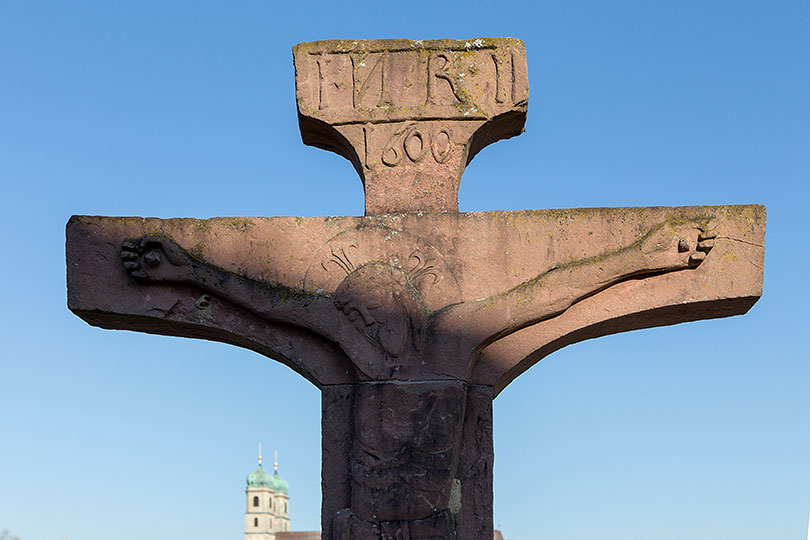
(262, 478)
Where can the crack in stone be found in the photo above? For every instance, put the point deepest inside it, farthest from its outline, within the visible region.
(742, 241)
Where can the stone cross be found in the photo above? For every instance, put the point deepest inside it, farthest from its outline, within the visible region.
(412, 318)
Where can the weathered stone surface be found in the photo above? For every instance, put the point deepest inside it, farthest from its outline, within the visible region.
(417, 427)
(481, 322)
(403, 323)
(410, 323)
(406, 328)
(474, 518)
(410, 422)
(337, 433)
(410, 115)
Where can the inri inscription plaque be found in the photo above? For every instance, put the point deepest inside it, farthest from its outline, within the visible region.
(410, 115)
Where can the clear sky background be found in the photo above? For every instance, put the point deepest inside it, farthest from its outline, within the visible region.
(187, 108)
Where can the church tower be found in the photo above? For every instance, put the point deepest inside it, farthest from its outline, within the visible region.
(268, 503)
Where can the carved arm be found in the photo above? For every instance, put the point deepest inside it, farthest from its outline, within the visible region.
(157, 259)
(666, 248)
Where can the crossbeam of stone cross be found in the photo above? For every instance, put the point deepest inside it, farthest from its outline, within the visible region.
(411, 319)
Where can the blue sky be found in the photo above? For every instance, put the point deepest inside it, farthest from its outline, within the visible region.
(187, 108)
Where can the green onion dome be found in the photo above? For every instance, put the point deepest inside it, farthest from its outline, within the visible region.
(262, 478)
(279, 484)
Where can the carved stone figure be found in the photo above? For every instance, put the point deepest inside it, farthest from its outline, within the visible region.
(407, 434)
(412, 321)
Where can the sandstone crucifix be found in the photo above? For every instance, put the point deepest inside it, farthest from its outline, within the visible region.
(412, 318)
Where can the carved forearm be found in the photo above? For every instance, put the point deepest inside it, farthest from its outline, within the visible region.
(160, 260)
(271, 302)
(665, 248)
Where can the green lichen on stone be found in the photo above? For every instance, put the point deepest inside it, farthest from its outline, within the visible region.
(239, 224)
(197, 251)
(201, 226)
(753, 213)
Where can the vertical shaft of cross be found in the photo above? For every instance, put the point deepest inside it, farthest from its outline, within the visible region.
(426, 467)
